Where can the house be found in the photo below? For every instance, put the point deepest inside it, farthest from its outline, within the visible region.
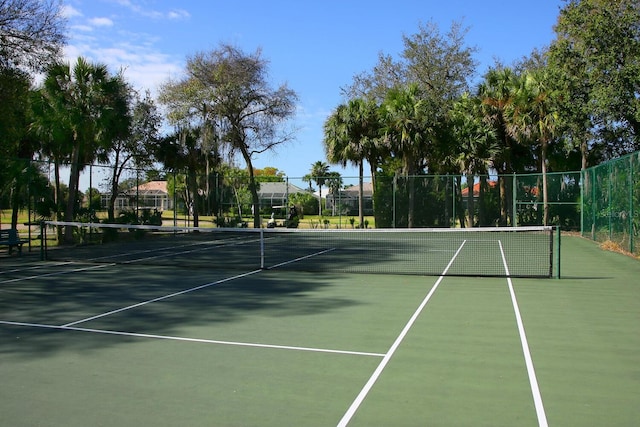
(476, 190)
(346, 201)
(150, 195)
(276, 193)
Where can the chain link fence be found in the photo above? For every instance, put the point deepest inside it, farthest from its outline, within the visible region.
(180, 196)
(611, 202)
(602, 202)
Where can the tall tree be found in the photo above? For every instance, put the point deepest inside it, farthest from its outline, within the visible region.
(351, 135)
(251, 115)
(135, 144)
(598, 50)
(534, 118)
(497, 92)
(182, 152)
(89, 105)
(440, 65)
(476, 143)
(190, 105)
(32, 33)
(53, 135)
(17, 146)
(408, 134)
(14, 93)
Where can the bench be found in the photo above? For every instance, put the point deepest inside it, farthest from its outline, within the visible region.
(9, 237)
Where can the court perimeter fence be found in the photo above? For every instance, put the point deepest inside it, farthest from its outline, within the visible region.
(600, 202)
(610, 209)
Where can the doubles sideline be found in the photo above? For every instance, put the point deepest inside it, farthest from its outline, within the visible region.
(535, 389)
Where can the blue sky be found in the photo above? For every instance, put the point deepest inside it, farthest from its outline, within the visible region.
(315, 47)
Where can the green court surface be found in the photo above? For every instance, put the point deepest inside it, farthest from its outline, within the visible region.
(114, 345)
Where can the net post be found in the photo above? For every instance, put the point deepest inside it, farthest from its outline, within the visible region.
(261, 248)
(556, 251)
(43, 237)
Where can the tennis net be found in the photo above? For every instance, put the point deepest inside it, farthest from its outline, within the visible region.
(518, 252)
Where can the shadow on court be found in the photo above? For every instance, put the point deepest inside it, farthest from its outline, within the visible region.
(68, 298)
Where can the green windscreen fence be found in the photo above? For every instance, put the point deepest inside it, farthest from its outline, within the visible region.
(611, 202)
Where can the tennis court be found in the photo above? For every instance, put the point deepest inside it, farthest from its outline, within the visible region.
(168, 343)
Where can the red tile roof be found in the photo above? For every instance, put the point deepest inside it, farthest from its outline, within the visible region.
(154, 186)
(476, 189)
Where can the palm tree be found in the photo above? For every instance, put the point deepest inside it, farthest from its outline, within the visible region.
(88, 108)
(52, 135)
(497, 93)
(319, 172)
(476, 143)
(182, 151)
(534, 118)
(334, 183)
(351, 136)
(407, 134)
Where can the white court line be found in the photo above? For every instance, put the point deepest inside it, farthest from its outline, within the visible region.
(197, 340)
(32, 267)
(535, 389)
(302, 258)
(57, 273)
(387, 357)
(206, 285)
(214, 244)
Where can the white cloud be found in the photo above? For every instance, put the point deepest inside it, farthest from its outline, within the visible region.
(82, 28)
(101, 22)
(135, 53)
(178, 14)
(142, 65)
(150, 13)
(70, 12)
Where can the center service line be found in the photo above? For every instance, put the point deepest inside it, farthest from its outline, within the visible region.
(206, 285)
(535, 389)
(376, 374)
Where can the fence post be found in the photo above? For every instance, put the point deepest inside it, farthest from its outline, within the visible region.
(609, 192)
(514, 204)
(29, 202)
(582, 185)
(175, 200)
(393, 194)
(631, 210)
(556, 251)
(454, 199)
(43, 238)
(593, 205)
